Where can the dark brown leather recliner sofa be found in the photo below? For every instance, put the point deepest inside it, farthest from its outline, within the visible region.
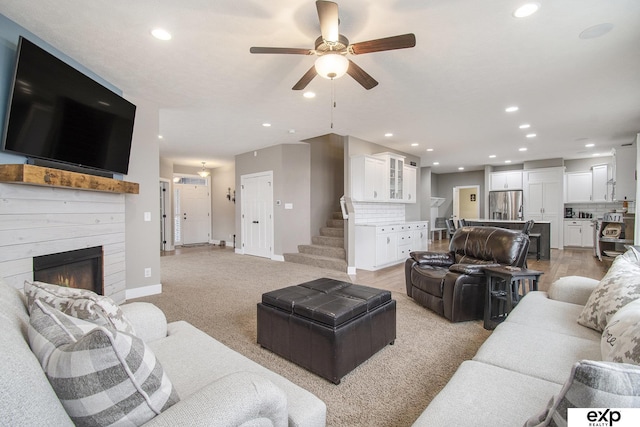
(453, 283)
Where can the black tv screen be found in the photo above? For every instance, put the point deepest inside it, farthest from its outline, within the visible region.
(57, 113)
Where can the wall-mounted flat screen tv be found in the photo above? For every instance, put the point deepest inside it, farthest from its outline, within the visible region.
(57, 113)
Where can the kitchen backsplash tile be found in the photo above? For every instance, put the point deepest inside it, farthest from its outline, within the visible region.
(378, 213)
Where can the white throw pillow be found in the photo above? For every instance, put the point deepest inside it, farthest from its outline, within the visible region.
(101, 376)
(618, 287)
(621, 338)
(80, 303)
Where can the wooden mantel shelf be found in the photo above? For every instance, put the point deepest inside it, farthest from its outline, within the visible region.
(49, 177)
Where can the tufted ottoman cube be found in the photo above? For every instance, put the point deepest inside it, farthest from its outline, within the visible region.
(327, 326)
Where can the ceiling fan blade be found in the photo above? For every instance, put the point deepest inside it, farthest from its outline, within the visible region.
(389, 43)
(361, 76)
(285, 50)
(306, 79)
(329, 20)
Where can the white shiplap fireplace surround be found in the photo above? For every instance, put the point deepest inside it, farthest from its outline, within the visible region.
(40, 220)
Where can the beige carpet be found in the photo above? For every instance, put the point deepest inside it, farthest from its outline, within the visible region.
(217, 291)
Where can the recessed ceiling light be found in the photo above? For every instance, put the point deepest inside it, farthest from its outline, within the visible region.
(525, 126)
(388, 135)
(415, 144)
(267, 125)
(531, 135)
(522, 149)
(461, 168)
(292, 131)
(596, 31)
(590, 145)
(492, 156)
(160, 137)
(526, 9)
(429, 150)
(507, 161)
(309, 95)
(436, 163)
(511, 109)
(161, 34)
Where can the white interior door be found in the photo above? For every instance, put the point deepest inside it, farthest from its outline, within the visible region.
(257, 214)
(195, 213)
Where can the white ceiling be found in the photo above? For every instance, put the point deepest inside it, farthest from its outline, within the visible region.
(472, 60)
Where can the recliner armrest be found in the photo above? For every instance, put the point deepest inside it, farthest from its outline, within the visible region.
(471, 269)
(441, 259)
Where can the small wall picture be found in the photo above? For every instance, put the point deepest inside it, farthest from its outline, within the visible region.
(472, 197)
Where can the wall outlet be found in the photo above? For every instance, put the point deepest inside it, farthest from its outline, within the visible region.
(147, 272)
(147, 216)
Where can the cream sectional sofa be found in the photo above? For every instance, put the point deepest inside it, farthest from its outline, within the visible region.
(216, 385)
(527, 367)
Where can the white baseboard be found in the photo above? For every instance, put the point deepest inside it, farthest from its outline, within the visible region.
(217, 243)
(239, 251)
(351, 271)
(277, 258)
(143, 291)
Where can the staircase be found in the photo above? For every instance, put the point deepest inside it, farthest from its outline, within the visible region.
(326, 250)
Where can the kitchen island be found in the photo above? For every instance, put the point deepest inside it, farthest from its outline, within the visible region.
(542, 227)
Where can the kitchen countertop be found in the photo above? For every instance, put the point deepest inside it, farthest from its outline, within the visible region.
(507, 221)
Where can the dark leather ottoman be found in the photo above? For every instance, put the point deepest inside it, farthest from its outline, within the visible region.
(327, 326)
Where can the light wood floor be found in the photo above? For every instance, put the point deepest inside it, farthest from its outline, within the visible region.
(567, 262)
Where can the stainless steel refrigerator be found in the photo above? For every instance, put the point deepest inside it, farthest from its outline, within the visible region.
(506, 205)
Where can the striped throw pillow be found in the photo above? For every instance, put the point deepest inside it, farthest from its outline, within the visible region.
(101, 376)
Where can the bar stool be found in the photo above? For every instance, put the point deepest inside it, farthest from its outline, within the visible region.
(536, 237)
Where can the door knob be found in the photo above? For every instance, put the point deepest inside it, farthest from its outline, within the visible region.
(255, 222)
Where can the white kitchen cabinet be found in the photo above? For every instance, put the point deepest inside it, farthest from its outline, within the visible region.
(368, 179)
(509, 180)
(578, 187)
(386, 247)
(626, 178)
(544, 201)
(421, 235)
(410, 184)
(394, 176)
(588, 234)
(380, 246)
(383, 178)
(600, 183)
(578, 233)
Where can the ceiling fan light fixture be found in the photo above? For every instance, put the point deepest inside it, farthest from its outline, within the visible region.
(332, 65)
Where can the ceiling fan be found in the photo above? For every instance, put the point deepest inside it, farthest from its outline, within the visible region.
(332, 47)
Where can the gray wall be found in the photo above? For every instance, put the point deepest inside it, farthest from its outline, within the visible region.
(444, 188)
(223, 211)
(584, 165)
(142, 242)
(290, 164)
(426, 184)
(327, 178)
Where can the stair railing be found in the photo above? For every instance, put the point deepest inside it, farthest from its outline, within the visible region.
(343, 208)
